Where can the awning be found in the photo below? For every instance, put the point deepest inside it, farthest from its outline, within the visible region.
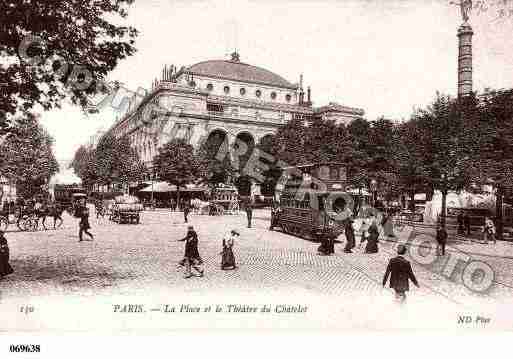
(163, 187)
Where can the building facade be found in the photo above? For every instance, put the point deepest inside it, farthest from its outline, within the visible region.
(219, 97)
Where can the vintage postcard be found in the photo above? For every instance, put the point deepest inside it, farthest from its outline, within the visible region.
(176, 165)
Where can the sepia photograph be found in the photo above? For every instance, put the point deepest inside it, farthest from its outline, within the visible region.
(243, 165)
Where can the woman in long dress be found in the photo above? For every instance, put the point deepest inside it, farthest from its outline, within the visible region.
(5, 267)
(349, 232)
(489, 231)
(84, 225)
(372, 239)
(228, 258)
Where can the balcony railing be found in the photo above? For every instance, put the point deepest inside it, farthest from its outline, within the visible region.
(238, 116)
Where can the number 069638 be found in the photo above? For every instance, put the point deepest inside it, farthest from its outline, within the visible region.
(24, 348)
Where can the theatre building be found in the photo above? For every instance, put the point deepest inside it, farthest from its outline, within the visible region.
(226, 99)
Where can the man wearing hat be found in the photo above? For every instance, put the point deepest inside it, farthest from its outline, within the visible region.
(5, 267)
(228, 258)
(191, 256)
(249, 212)
(401, 273)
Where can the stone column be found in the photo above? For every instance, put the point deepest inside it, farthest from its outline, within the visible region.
(464, 59)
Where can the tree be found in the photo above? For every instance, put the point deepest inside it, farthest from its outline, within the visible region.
(359, 163)
(448, 144)
(106, 159)
(381, 160)
(288, 144)
(177, 164)
(409, 159)
(272, 175)
(84, 166)
(494, 163)
(215, 160)
(113, 161)
(27, 157)
(128, 166)
(79, 43)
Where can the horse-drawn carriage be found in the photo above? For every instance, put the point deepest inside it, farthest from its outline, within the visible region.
(24, 222)
(223, 200)
(126, 209)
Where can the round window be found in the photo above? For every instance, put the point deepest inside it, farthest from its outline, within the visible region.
(242, 91)
(192, 84)
(273, 95)
(258, 93)
(210, 87)
(288, 97)
(227, 89)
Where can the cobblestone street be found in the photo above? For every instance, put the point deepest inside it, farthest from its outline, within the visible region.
(135, 261)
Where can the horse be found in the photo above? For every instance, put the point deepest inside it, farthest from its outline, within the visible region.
(53, 210)
(100, 209)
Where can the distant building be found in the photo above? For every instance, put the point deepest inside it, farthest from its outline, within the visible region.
(226, 98)
(94, 139)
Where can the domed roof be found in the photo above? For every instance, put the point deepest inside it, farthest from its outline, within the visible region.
(239, 71)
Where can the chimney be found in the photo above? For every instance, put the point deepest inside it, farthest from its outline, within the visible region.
(309, 93)
(301, 97)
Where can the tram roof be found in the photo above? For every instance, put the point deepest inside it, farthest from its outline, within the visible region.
(315, 164)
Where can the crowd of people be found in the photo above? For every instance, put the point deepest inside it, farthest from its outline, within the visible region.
(370, 228)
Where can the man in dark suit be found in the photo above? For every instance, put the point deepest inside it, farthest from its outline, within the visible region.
(441, 239)
(249, 212)
(401, 273)
(186, 211)
(191, 258)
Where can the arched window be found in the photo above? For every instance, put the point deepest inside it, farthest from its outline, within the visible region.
(273, 95)
(226, 89)
(210, 87)
(258, 93)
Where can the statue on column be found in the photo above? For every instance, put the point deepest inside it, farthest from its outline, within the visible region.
(465, 9)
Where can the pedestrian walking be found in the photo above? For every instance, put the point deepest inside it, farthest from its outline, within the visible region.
(372, 239)
(388, 224)
(275, 214)
(461, 228)
(227, 256)
(84, 225)
(400, 272)
(364, 231)
(192, 259)
(327, 246)
(249, 213)
(441, 239)
(466, 223)
(349, 232)
(489, 231)
(186, 211)
(5, 267)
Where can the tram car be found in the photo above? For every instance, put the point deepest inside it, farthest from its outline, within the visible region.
(65, 195)
(320, 210)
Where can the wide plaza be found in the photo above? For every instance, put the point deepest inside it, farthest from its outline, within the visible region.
(130, 264)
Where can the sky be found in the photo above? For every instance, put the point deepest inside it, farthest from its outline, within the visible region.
(384, 56)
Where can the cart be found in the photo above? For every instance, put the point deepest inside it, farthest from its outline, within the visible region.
(126, 209)
(25, 223)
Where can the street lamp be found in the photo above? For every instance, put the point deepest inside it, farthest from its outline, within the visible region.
(373, 188)
(153, 175)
